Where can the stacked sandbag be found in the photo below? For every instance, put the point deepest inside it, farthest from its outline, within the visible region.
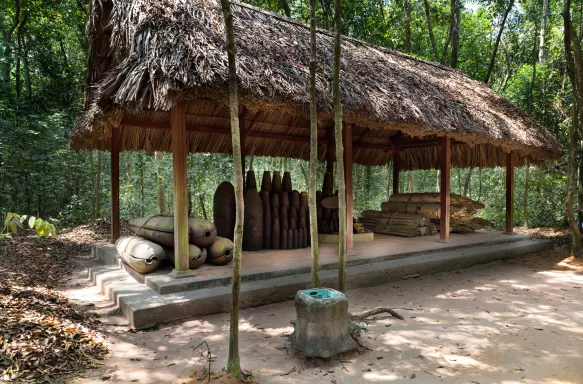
(140, 254)
(462, 209)
(398, 224)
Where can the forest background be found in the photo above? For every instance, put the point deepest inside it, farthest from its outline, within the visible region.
(515, 46)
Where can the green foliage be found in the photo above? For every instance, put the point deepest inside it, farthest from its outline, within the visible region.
(40, 175)
(13, 222)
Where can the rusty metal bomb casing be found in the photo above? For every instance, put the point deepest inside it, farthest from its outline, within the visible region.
(253, 221)
(284, 241)
(294, 199)
(266, 182)
(284, 199)
(275, 234)
(267, 225)
(220, 252)
(328, 185)
(196, 256)
(160, 229)
(304, 200)
(224, 210)
(276, 183)
(251, 181)
(286, 182)
(290, 239)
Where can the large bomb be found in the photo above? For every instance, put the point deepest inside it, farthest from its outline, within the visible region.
(196, 256)
(160, 229)
(224, 210)
(253, 219)
(266, 182)
(220, 252)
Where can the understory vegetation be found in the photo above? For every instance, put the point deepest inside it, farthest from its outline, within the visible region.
(43, 59)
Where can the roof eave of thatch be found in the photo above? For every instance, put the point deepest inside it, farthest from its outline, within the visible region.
(382, 89)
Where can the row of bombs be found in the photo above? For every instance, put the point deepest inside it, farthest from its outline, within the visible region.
(328, 222)
(274, 218)
(204, 244)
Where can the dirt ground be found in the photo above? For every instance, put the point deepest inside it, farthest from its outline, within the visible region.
(510, 322)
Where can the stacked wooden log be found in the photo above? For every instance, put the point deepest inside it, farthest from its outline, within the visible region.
(428, 205)
(398, 224)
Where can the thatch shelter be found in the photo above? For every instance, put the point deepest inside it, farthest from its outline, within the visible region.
(158, 69)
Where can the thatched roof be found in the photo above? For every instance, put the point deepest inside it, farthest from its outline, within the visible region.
(148, 54)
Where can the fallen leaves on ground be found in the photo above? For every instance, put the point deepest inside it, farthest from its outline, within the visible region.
(43, 336)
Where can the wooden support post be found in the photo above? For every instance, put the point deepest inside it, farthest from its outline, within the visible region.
(510, 193)
(445, 188)
(330, 149)
(114, 184)
(396, 169)
(178, 123)
(347, 139)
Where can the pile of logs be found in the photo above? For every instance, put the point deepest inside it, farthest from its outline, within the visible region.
(398, 224)
(428, 205)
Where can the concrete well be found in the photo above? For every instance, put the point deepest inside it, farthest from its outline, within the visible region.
(321, 328)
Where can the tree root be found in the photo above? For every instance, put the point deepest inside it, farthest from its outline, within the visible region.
(359, 316)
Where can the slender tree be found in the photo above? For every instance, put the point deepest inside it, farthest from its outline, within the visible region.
(339, 148)
(574, 67)
(430, 30)
(313, 150)
(497, 43)
(160, 190)
(233, 362)
(455, 33)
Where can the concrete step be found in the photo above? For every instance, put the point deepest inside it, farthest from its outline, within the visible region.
(162, 283)
(146, 308)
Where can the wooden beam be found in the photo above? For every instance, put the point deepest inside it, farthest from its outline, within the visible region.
(179, 151)
(114, 184)
(347, 139)
(253, 123)
(510, 163)
(396, 169)
(445, 188)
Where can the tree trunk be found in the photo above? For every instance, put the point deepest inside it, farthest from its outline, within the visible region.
(8, 42)
(467, 181)
(161, 191)
(543, 24)
(455, 34)
(97, 191)
(497, 43)
(339, 149)
(92, 171)
(437, 180)
(233, 362)
(580, 190)
(576, 247)
(407, 22)
(313, 151)
(450, 30)
(525, 196)
(411, 182)
(430, 29)
(326, 10)
(284, 5)
(508, 67)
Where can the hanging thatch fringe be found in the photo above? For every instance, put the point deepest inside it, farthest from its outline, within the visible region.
(145, 55)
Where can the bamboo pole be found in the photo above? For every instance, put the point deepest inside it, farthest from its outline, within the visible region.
(313, 212)
(348, 178)
(445, 188)
(114, 184)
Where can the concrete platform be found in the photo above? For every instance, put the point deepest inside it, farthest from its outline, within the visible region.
(269, 276)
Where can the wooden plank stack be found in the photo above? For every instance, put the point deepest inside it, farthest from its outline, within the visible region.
(398, 224)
